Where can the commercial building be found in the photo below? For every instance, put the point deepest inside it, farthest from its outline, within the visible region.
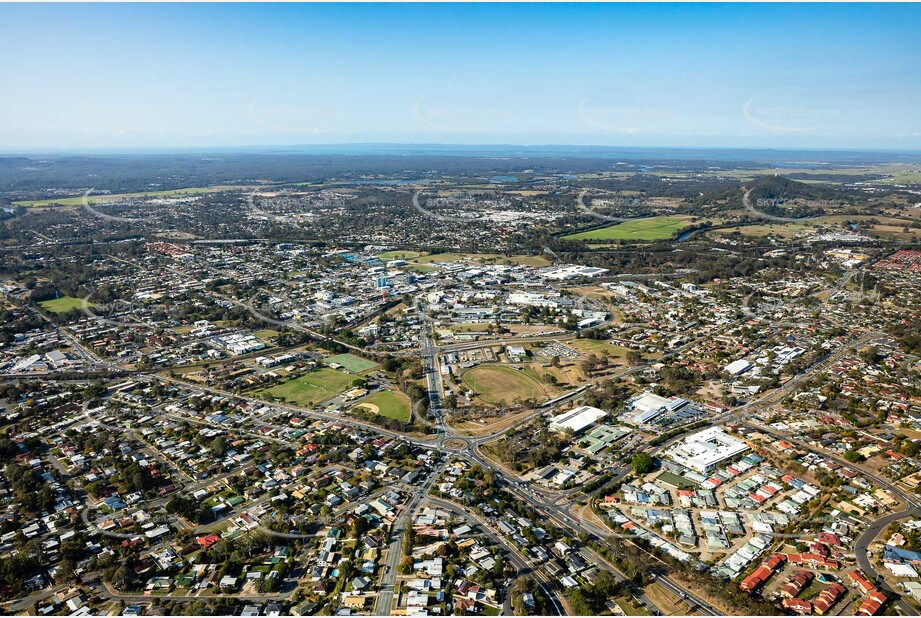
(577, 419)
(738, 367)
(647, 407)
(707, 449)
(574, 272)
(651, 409)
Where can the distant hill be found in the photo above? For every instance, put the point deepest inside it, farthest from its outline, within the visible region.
(780, 187)
(781, 196)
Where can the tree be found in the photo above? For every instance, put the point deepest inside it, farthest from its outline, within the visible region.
(869, 354)
(854, 457)
(642, 463)
(359, 526)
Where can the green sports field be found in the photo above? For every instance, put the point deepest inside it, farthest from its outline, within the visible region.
(62, 304)
(652, 228)
(498, 384)
(350, 362)
(311, 388)
(388, 403)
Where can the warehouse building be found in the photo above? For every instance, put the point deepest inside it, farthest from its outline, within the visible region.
(577, 419)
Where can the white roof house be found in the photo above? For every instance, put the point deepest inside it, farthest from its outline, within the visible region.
(901, 570)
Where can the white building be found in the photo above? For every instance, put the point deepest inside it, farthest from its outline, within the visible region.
(705, 450)
(532, 299)
(737, 367)
(574, 272)
(647, 407)
(577, 419)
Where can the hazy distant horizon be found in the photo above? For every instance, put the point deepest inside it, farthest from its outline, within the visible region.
(829, 155)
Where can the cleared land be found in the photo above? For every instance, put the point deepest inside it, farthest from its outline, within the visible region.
(485, 426)
(471, 327)
(887, 227)
(311, 388)
(388, 403)
(669, 602)
(62, 304)
(265, 334)
(398, 255)
(631, 607)
(781, 230)
(350, 362)
(652, 228)
(497, 384)
(598, 348)
(114, 197)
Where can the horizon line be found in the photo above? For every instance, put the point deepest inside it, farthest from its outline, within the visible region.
(12, 151)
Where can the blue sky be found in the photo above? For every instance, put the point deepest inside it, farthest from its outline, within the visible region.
(134, 76)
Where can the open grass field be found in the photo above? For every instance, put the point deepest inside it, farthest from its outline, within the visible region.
(598, 348)
(114, 197)
(652, 228)
(781, 230)
(265, 334)
(631, 607)
(894, 172)
(471, 327)
(350, 362)
(498, 384)
(398, 255)
(888, 227)
(567, 374)
(62, 304)
(388, 403)
(311, 388)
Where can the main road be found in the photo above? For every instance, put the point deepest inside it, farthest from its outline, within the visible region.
(384, 602)
(518, 560)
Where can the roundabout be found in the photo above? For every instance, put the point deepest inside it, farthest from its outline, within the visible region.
(456, 444)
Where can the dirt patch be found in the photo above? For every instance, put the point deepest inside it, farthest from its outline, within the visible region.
(586, 513)
(669, 602)
(491, 425)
